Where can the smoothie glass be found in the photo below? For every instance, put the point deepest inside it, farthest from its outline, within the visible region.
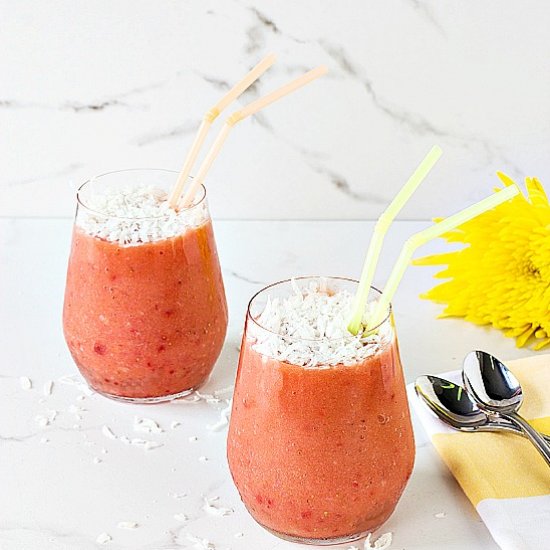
(319, 455)
(144, 321)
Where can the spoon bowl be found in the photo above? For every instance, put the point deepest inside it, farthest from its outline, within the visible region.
(450, 402)
(496, 390)
(491, 383)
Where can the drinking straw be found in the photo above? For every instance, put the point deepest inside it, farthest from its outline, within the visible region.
(210, 117)
(236, 117)
(422, 237)
(380, 230)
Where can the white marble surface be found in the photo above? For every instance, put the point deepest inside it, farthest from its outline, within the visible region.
(54, 496)
(89, 87)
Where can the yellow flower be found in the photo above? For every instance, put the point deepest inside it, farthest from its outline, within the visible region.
(503, 277)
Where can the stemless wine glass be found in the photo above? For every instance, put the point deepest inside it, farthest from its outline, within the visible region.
(319, 455)
(144, 316)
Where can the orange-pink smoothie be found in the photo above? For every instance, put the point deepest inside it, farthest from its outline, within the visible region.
(147, 320)
(320, 453)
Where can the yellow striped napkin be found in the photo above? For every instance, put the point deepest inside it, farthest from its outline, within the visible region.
(502, 474)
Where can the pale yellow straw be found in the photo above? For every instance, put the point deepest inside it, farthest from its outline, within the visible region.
(422, 237)
(209, 118)
(237, 116)
(380, 230)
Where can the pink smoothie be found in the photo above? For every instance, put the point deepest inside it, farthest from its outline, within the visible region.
(148, 320)
(320, 453)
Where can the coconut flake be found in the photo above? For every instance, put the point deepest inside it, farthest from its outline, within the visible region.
(127, 525)
(440, 515)
(381, 543)
(147, 425)
(174, 424)
(48, 387)
(107, 432)
(214, 510)
(104, 538)
(26, 383)
(309, 329)
(223, 421)
(150, 445)
(180, 517)
(200, 544)
(136, 215)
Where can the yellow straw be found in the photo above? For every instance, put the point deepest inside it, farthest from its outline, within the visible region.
(210, 117)
(380, 230)
(236, 117)
(422, 237)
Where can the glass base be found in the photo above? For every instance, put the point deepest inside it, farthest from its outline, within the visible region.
(319, 542)
(147, 400)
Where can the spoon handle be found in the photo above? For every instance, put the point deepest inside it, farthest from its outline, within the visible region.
(543, 447)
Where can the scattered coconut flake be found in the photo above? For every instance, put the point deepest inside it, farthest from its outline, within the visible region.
(179, 495)
(174, 424)
(104, 451)
(77, 382)
(26, 383)
(201, 544)
(107, 432)
(41, 420)
(309, 329)
(241, 535)
(44, 440)
(48, 387)
(223, 421)
(136, 215)
(137, 441)
(127, 525)
(440, 515)
(97, 460)
(203, 459)
(210, 508)
(150, 445)
(147, 425)
(208, 397)
(381, 543)
(80, 397)
(222, 391)
(181, 517)
(126, 440)
(193, 438)
(104, 538)
(44, 420)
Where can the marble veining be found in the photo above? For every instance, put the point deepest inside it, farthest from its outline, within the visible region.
(402, 76)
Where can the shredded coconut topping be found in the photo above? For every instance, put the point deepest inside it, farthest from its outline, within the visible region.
(309, 329)
(137, 215)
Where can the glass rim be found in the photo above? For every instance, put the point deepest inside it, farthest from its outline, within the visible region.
(302, 278)
(81, 203)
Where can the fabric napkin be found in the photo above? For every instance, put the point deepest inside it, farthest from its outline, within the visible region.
(502, 474)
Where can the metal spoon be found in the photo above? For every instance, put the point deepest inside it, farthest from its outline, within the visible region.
(452, 404)
(497, 390)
